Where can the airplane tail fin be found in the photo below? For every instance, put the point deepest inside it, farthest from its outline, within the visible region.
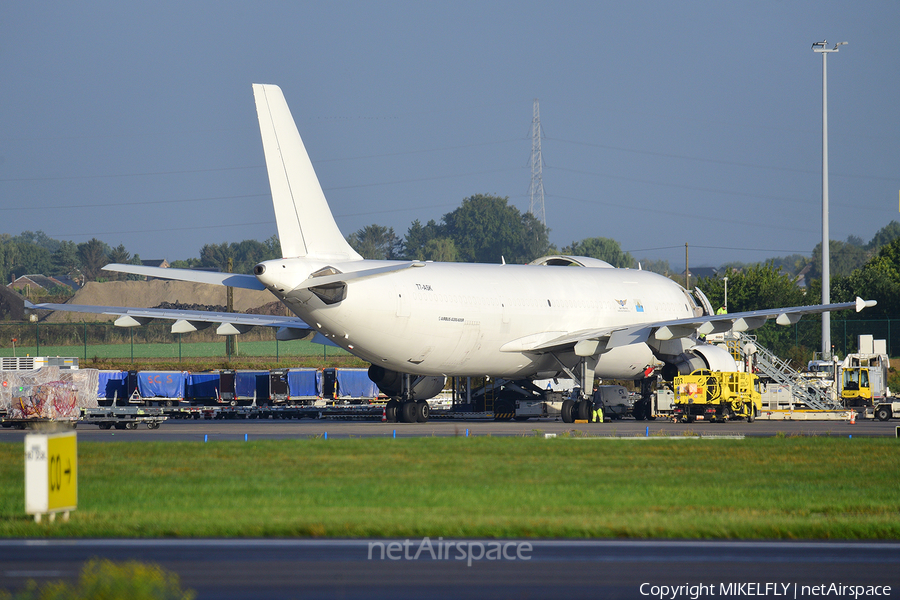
(306, 226)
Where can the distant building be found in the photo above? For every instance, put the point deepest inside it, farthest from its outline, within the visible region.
(802, 278)
(12, 304)
(162, 263)
(30, 284)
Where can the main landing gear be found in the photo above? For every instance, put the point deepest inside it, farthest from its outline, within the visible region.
(405, 409)
(582, 410)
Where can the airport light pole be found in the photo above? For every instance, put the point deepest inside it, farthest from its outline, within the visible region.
(822, 48)
(725, 304)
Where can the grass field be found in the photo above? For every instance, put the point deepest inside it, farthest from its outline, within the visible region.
(798, 488)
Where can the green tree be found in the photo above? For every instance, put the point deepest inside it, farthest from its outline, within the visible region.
(119, 255)
(878, 279)
(487, 229)
(245, 254)
(189, 263)
(845, 258)
(39, 238)
(440, 249)
(65, 260)
(9, 254)
(758, 287)
(417, 237)
(273, 247)
(248, 253)
(655, 266)
(31, 259)
(602, 248)
(93, 255)
(375, 242)
(885, 236)
(215, 256)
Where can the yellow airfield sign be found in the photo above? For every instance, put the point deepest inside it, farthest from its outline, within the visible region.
(51, 474)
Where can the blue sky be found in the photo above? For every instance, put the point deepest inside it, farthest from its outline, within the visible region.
(665, 123)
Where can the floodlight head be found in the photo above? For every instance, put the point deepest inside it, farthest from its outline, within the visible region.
(839, 44)
(822, 43)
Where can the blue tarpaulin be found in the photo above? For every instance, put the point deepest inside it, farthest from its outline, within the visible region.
(251, 384)
(162, 384)
(112, 384)
(355, 383)
(304, 382)
(202, 386)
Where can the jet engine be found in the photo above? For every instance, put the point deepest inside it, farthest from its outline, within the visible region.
(391, 383)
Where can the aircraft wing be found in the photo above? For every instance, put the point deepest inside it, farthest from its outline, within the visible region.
(678, 328)
(186, 321)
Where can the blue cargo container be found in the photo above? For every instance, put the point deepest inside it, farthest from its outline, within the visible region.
(355, 383)
(162, 384)
(304, 383)
(202, 387)
(112, 385)
(249, 385)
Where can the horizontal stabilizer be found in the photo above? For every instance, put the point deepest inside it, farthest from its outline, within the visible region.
(237, 280)
(351, 275)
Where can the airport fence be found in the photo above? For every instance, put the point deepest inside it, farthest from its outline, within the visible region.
(105, 340)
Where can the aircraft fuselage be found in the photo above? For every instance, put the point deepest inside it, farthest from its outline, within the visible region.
(476, 319)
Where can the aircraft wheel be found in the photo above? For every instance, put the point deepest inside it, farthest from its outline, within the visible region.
(584, 410)
(391, 410)
(408, 412)
(566, 411)
(422, 411)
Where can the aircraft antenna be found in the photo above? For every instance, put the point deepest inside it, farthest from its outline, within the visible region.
(536, 190)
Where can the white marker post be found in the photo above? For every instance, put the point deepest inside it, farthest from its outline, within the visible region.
(51, 474)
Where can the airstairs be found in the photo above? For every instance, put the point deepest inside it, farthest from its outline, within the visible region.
(780, 371)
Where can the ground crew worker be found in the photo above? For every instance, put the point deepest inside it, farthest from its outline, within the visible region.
(598, 412)
(721, 311)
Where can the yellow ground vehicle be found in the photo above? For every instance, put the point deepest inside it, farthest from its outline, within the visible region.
(863, 378)
(716, 396)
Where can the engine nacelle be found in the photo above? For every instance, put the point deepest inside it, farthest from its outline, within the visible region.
(391, 383)
(700, 356)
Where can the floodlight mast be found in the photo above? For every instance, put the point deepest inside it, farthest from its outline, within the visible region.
(822, 47)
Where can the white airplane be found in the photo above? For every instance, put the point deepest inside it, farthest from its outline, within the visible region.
(418, 322)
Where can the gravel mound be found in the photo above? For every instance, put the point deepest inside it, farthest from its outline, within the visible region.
(152, 294)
